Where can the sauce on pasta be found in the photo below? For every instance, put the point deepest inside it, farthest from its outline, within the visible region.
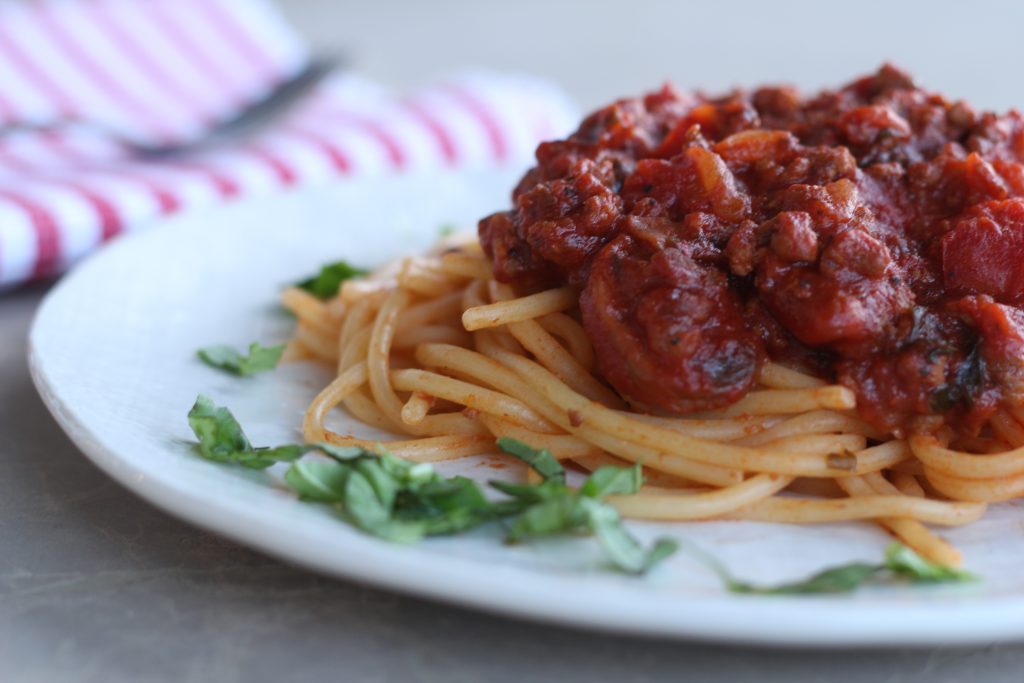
(786, 309)
(872, 236)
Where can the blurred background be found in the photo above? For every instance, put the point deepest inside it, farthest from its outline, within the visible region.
(602, 49)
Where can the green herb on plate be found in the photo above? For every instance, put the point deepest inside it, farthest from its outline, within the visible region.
(326, 283)
(552, 507)
(260, 358)
(221, 438)
(381, 494)
(402, 501)
(901, 564)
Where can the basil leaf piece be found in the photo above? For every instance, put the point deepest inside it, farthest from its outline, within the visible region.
(288, 453)
(221, 356)
(221, 438)
(362, 503)
(900, 563)
(843, 579)
(326, 283)
(556, 515)
(532, 493)
(409, 473)
(625, 552)
(453, 522)
(260, 358)
(254, 459)
(903, 561)
(663, 548)
(383, 484)
(322, 481)
(218, 431)
(611, 480)
(540, 460)
(370, 514)
(551, 507)
(445, 506)
(341, 453)
(462, 507)
(457, 493)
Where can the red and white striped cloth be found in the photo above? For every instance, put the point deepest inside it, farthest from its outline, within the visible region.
(158, 70)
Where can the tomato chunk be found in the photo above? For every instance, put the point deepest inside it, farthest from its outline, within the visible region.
(984, 252)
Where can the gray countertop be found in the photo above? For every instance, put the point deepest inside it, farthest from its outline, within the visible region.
(97, 585)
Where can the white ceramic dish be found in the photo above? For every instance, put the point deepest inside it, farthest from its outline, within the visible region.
(113, 355)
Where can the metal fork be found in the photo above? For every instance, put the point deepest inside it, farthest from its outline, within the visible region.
(244, 123)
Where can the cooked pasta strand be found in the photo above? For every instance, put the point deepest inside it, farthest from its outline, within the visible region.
(516, 310)
(418, 340)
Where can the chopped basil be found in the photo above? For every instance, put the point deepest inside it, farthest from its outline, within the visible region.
(556, 515)
(221, 438)
(326, 283)
(540, 460)
(218, 431)
(842, 579)
(552, 508)
(366, 509)
(901, 564)
(260, 358)
(403, 501)
(611, 481)
(381, 494)
(625, 551)
(322, 481)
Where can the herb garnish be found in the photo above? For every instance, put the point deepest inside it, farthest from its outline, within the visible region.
(221, 438)
(260, 359)
(382, 495)
(403, 501)
(901, 563)
(552, 507)
(326, 283)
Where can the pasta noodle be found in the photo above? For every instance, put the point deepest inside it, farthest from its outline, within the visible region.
(437, 351)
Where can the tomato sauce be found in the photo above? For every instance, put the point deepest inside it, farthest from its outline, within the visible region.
(873, 235)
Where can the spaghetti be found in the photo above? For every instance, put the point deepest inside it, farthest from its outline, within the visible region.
(672, 282)
(434, 349)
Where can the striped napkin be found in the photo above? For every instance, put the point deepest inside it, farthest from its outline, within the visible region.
(104, 71)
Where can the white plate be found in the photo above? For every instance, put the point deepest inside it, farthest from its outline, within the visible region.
(113, 355)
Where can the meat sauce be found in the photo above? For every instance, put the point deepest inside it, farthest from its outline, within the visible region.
(872, 235)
